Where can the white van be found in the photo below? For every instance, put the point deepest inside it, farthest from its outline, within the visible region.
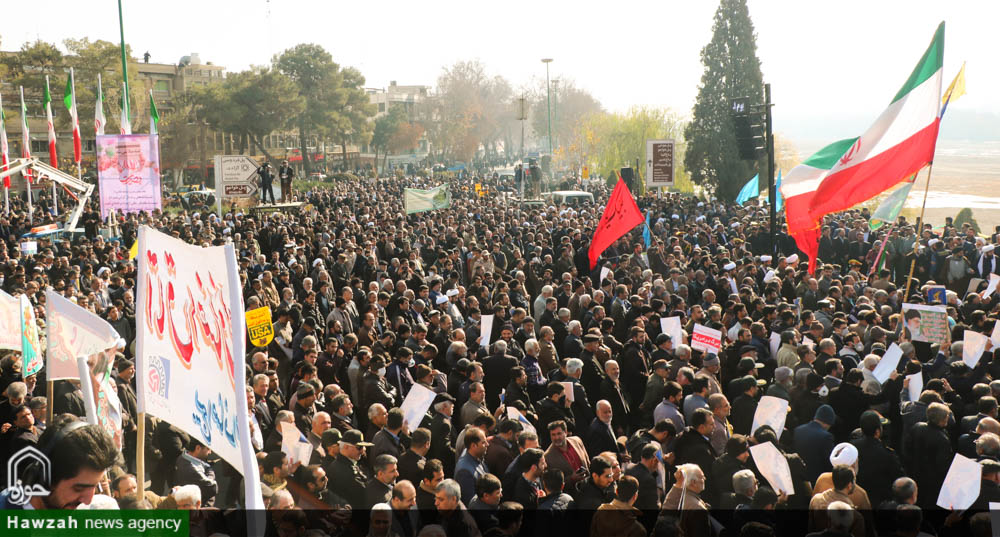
(573, 198)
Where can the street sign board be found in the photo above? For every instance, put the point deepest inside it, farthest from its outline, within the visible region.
(235, 177)
(659, 163)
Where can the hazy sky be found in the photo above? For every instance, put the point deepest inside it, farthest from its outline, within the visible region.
(840, 62)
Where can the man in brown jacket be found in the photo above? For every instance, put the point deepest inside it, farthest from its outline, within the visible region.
(619, 518)
(567, 453)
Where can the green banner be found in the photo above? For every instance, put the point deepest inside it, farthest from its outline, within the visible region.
(890, 207)
(95, 523)
(418, 201)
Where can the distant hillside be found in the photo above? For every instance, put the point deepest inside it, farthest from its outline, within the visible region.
(958, 125)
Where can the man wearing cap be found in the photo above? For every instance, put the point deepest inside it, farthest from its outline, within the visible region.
(442, 431)
(347, 478)
(710, 371)
(814, 442)
(745, 405)
(878, 465)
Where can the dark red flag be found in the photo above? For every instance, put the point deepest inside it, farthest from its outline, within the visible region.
(620, 216)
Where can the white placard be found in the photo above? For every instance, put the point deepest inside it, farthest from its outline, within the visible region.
(915, 386)
(774, 467)
(706, 339)
(992, 286)
(961, 486)
(417, 401)
(10, 322)
(568, 391)
(671, 326)
(604, 274)
(995, 336)
(973, 346)
(72, 332)
(290, 445)
(775, 344)
(485, 329)
(888, 363)
(772, 411)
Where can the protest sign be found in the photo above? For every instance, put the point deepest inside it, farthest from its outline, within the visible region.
(926, 323)
(671, 326)
(774, 467)
(31, 347)
(292, 445)
(706, 339)
(72, 332)
(992, 286)
(417, 401)
(128, 173)
(259, 326)
(605, 271)
(937, 293)
(995, 335)
(10, 322)
(485, 330)
(915, 385)
(515, 414)
(568, 391)
(191, 348)
(961, 486)
(775, 344)
(771, 411)
(973, 346)
(973, 285)
(888, 363)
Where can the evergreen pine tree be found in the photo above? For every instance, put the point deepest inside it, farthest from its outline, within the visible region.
(731, 70)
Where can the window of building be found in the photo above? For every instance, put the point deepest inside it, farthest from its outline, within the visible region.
(381, 107)
(39, 146)
(89, 145)
(162, 85)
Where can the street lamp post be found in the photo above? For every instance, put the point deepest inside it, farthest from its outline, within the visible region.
(548, 93)
(555, 106)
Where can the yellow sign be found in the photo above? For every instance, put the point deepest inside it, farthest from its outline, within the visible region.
(585, 173)
(259, 326)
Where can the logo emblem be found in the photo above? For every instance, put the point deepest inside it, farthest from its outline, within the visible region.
(17, 492)
(851, 153)
(158, 376)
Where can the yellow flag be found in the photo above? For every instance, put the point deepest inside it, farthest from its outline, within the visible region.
(133, 252)
(957, 87)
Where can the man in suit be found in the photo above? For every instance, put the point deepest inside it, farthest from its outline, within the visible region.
(693, 445)
(566, 453)
(266, 182)
(611, 391)
(645, 473)
(411, 463)
(600, 437)
(555, 408)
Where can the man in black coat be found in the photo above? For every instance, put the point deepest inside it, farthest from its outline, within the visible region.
(928, 453)
(285, 174)
(849, 401)
(599, 436)
(348, 479)
(554, 408)
(693, 445)
(598, 489)
(645, 473)
(612, 392)
(496, 375)
(745, 406)
(878, 466)
(266, 182)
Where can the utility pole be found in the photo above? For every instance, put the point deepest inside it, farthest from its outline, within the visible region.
(555, 107)
(548, 93)
(771, 194)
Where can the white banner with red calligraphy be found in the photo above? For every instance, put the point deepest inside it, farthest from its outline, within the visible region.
(72, 332)
(189, 365)
(10, 322)
(706, 339)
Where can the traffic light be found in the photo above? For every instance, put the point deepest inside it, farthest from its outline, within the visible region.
(748, 126)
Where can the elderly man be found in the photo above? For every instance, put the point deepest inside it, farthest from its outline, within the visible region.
(612, 391)
(600, 436)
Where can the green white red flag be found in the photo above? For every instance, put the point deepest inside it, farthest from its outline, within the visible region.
(47, 101)
(25, 139)
(154, 116)
(900, 143)
(4, 147)
(99, 120)
(124, 122)
(69, 99)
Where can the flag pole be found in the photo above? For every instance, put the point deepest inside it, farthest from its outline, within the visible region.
(140, 455)
(121, 30)
(916, 240)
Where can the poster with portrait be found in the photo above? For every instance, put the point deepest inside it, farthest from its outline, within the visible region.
(128, 173)
(926, 323)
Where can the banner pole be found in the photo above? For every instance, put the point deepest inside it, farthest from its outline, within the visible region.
(916, 240)
(50, 391)
(140, 456)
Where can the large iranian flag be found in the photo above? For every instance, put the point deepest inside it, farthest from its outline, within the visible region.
(69, 99)
(847, 172)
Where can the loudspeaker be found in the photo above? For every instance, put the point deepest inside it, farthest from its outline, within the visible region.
(629, 177)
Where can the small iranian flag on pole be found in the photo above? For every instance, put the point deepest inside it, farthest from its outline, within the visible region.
(99, 119)
(47, 101)
(125, 122)
(70, 101)
(154, 116)
(25, 138)
(4, 148)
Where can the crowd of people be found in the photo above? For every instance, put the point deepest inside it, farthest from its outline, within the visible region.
(580, 416)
